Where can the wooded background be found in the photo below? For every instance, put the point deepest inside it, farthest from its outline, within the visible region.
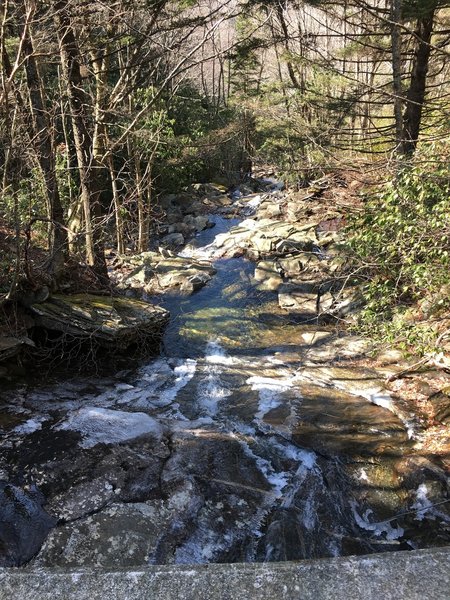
(104, 106)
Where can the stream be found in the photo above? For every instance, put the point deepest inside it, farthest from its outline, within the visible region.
(238, 443)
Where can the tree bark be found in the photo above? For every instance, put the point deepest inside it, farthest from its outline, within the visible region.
(290, 66)
(417, 88)
(90, 170)
(396, 41)
(42, 140)
(117, 207)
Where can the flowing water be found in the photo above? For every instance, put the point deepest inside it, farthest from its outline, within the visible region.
(231, 446)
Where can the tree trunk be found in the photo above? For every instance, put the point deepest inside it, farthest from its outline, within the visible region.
(140, 196)
(144, 231)
(417, 88)
(90, 170)
(396, 41)
(117, 207)
(42, 139)
(290, 66)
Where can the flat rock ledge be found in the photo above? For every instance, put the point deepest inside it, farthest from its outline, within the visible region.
(112, 323)
(415, 575)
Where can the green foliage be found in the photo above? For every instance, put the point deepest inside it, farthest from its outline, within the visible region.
(26, 202)
(402, 240)
(205, 140)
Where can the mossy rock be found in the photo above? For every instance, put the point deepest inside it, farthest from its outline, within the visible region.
(107, 321)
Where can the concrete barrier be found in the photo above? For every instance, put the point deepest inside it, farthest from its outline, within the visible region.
(416, 575)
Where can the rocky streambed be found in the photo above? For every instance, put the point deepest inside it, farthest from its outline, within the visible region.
(253, 437)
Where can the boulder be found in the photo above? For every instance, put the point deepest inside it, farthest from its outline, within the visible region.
(140, 276)
(221, 201)
(208, 189)
(24, 524)
(164, 273)
(182, 227)
(345, 303)
(269, 210)
(267, 273)
(322, 346)
(294, 265)
(112, 323)
(390, 356)
(302, 300)
(173, 239)
(185, 280)
(198, 223)
(189, 220)
(441, 405)
(11, 346)
(173, 216)
(201, 222)
(144, 258)
(198, 280)
(262, 242)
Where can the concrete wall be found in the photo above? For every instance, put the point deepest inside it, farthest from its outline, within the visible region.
(418, 575)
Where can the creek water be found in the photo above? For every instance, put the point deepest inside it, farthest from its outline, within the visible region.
(230, 446)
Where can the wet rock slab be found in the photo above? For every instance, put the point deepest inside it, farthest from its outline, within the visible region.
(346, 424)
(125, 534)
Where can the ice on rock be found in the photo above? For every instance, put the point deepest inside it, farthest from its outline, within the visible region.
(31, 425)
(105, 426)
(380, 528)
(270, 391)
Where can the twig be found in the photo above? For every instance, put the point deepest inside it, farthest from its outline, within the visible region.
(410, 369)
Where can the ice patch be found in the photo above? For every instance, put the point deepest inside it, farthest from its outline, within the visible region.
(210, 393)
(295, 478)
(378, 396)
(269, 391)
(101, 425)
(422, 504)
(306, 457)
(210, 390)
(278, 480)
(184, 372)
(309, 512)
(380, 528)
(334, 548)
(193, 424)
(199, 253)
(384, 399)
(251, 206)
(424, 507)
(243, 429)
(121, 387)
(31, 425)
(274, 360)
(363, 475)
(215, 354)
